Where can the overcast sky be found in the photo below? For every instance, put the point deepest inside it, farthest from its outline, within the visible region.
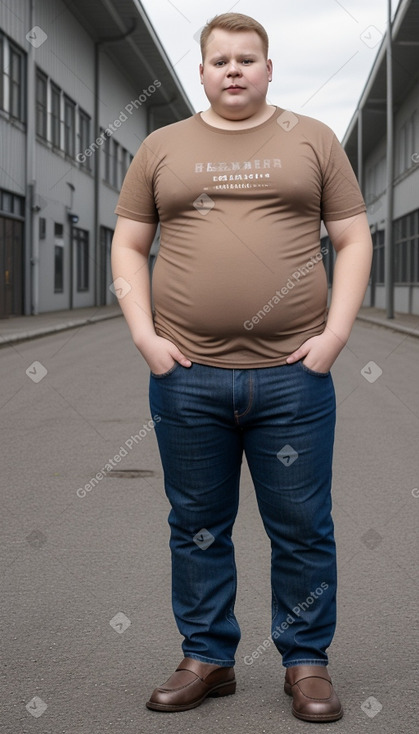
(322, 50)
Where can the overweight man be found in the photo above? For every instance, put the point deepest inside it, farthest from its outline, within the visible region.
(240, 344)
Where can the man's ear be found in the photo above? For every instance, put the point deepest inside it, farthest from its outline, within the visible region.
(270, 68)
(201, 73)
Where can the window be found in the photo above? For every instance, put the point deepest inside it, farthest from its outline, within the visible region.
(58, 268)
(415, 259)
(377, 269)
(81, 241)
(18, 206)
(375, 180)
(328, 258)
(42, 228)
(115, 157)
(84, 137)
(12, 78)
(7, 202)
(104, 270)
(126, 159)
(407, 145)
(69, 126)
(116, 162)
(1, 72)
(406, 240)
(107, 157)
(55, 116)
(124, 163)
(12, 204)
(16, 87)
(58, 258)
(41, 104)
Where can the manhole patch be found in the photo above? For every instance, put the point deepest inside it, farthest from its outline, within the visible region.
(129, 473)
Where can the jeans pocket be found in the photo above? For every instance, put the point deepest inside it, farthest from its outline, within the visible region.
(312, 372)
(162, 375)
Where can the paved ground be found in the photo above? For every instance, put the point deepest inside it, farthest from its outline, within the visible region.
(85, 584)
(21, 328)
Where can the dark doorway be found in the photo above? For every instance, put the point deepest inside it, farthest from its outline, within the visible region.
(11, 267)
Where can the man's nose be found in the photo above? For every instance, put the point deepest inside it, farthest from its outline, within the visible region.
(233, 69)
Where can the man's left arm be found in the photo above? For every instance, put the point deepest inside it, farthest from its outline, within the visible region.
(351, 239)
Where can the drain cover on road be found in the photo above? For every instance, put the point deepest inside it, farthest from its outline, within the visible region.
(129, 473)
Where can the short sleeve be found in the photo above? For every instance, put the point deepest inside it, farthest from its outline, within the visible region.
(136, 199)
(341, 195)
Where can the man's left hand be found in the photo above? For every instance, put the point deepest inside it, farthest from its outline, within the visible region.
(319, 352)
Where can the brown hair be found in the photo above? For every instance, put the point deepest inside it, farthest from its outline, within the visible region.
(234, 22)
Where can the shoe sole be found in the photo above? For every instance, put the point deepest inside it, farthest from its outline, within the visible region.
(318, 719)
(224, 689)
(312, 717)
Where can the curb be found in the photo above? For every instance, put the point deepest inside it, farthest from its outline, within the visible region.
(408, 330)
(47, 330)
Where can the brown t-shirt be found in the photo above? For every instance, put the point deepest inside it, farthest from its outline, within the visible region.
(239, 279)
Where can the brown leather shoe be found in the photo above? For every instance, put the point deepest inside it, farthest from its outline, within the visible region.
(190, 684)
(314, 698)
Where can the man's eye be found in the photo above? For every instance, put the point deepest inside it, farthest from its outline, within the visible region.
(247, 61)
(219, 63)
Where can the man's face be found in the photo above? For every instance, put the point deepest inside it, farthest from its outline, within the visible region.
(235, 73)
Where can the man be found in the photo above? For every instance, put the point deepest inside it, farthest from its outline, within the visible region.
(240, 354)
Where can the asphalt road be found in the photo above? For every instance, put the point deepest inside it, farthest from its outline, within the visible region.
(85, 579)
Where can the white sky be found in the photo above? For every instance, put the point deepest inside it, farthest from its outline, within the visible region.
(322, 50)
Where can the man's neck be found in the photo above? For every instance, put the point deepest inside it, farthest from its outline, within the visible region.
(211, 117)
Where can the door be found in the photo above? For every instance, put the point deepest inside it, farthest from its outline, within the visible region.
(11, 267)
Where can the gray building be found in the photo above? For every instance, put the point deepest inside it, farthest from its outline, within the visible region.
(365, 144)
(82, 83)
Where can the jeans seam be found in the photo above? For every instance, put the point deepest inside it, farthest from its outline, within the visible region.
(212, 661)
(238, 415)
(159, 376)
(312, 372)
(275, 605)
(306, 661)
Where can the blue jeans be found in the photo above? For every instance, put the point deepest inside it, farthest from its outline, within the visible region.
(283, 418)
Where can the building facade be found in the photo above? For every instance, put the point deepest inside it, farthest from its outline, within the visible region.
(365, 143)
(81, 85)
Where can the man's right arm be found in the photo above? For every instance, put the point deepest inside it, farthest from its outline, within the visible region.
(131, 245)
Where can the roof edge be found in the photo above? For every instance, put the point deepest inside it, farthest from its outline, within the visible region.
(161, 50)
(379, 59)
